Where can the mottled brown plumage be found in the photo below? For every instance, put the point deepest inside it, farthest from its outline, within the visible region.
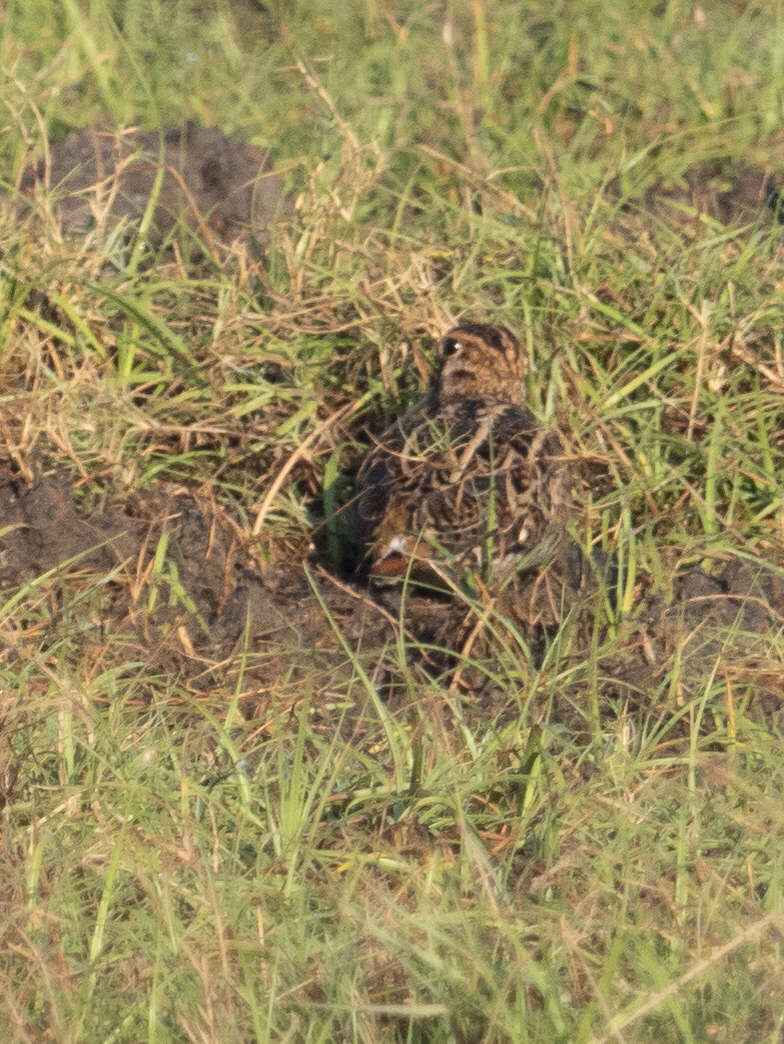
(468, 479)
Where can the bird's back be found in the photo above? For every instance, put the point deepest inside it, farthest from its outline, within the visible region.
(469, 482)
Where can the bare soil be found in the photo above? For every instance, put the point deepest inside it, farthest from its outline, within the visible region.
(169, 580)
(732, 194)
(211, 183)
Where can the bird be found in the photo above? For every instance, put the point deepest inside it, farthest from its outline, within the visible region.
(467, 482)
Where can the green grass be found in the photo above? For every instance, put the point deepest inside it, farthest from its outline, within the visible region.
(371, 854)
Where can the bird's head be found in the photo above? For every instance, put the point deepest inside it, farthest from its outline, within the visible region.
(478, 360)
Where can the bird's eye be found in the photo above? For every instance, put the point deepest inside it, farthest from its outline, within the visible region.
(451, 345)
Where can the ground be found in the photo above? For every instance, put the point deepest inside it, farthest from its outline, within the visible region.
(247, 794)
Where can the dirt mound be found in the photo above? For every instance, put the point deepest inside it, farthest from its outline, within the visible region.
(168, 579)
(212, 182)
(733, 194)
(172, 576)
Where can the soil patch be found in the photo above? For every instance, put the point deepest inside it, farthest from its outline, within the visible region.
(168, 579)
(730, 193)
(213, 183)
(172, 575)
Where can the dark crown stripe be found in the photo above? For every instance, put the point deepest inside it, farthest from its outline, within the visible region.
(496, 337)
